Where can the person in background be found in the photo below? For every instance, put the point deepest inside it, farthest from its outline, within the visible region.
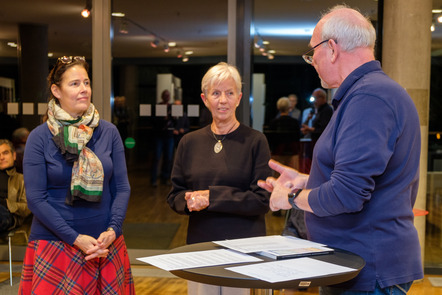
(13, 206)
(294, 112)
(164, 143)
(216, 169)
(323, 114)
(78, 191)
(182, 125)
(364, 178)
(285, 135)
(19, 138)
(121, 116)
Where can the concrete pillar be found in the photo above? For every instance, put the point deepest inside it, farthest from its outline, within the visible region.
(407, 59)
(33, 63)
(239, 50)
(102, 58)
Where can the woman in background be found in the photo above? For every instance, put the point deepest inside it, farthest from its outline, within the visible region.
(77, 188)
(216, 170)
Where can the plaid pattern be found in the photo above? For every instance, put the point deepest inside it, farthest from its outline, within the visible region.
(54, 267)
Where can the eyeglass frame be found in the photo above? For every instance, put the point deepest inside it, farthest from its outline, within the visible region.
(309, 58)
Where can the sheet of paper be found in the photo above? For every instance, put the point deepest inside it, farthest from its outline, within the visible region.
(186, 260)
(258, 244)
(290, 269)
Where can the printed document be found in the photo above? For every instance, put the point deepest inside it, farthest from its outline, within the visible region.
(259, 244)
(186, 260)
(289, 269)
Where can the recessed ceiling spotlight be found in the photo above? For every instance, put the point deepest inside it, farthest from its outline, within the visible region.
(118, 14)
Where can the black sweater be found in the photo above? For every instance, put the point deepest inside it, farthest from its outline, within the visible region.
(237, 205)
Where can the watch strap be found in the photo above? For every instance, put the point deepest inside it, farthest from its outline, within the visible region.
(292, 196)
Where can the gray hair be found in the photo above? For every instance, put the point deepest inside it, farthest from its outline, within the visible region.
(6, 141)
(349, 28)
(220, 73)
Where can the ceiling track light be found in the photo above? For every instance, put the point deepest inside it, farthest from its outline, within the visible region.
(155, 43)
(123, 27)
(86, 12)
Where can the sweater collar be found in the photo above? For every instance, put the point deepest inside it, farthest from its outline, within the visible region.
(351, 79)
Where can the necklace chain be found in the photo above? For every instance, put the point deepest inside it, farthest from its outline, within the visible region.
(218, 145)
(220, 140)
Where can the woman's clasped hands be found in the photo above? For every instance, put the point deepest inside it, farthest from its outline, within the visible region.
(95, 248)
(197, 200)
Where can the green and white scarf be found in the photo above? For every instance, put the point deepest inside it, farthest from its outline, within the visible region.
(71, 136)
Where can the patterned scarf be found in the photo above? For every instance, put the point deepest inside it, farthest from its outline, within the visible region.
(71, 136)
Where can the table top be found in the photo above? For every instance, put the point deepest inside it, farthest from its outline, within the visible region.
(218, 275)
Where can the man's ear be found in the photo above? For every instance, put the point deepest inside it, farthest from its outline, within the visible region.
(334, 49)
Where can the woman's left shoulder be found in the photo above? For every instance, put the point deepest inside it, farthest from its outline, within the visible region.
(249, 130)
(105, 128)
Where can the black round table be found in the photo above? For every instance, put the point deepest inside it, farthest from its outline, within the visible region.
(218, 275)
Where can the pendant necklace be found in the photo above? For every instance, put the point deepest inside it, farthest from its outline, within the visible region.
(218, 145)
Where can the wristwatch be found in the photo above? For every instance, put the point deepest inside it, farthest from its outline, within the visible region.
(292, 197)
(110, 229)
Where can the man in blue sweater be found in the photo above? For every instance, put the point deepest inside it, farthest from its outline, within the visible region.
(364, 178)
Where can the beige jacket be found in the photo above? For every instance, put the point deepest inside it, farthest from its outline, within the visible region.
(16, 200)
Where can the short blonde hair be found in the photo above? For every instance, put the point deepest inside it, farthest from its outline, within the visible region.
(283, 104)
(220, 73)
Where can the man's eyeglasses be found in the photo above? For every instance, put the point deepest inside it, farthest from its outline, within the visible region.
(309, 58)
(70, 59)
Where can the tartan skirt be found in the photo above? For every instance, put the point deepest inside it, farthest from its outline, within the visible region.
(54, 267)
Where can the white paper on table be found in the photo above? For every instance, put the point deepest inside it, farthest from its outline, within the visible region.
(289, 269)
(258, 244)
(194, 259)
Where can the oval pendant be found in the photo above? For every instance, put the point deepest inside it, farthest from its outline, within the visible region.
(218, 147)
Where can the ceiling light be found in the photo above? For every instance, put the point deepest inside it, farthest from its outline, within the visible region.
(85, 13)
(123, 27)
(166, 48)
(433, 27)
(259, 43)
(188, 52)
(118, 14)
(439, 19)
(172, 44)
(87, 10)
(50, 54)
(179, 54)
(185, 59)
(155, 43)
(12, 44)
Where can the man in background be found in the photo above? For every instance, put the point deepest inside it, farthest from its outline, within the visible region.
(13, 205)
(323, 114)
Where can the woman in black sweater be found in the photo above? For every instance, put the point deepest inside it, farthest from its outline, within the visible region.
(216, 170)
